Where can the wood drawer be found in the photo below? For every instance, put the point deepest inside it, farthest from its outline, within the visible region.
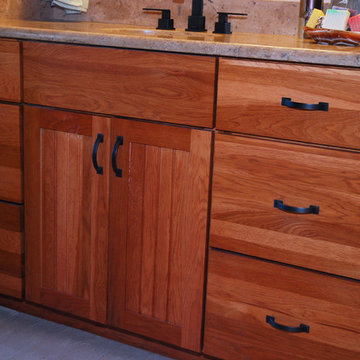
(243, 291)
(10, 71)
(250, 174)
(139, 84)
(11, 249)
(250, 95)
(10, 150)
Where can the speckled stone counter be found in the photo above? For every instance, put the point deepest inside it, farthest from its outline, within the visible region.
(254, 46)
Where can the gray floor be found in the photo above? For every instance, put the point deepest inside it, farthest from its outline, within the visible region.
(25, 337)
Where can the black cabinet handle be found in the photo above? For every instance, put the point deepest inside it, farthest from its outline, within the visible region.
(323, 106)
(312, 209)
(119, 142)
(301, 328)
(99, 139)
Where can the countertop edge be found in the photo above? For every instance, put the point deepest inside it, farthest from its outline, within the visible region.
(240, 50)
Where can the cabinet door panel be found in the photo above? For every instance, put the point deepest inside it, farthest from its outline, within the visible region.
(66, 212)
(158, 231)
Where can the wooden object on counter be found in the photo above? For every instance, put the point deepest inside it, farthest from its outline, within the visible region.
(250, 95)
(10, 89)
(139, 84)
(243, 291)
(250, 174)
(11, 250)
(158, 231)
(10, 150)
(66, 212)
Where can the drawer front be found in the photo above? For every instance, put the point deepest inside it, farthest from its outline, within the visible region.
(249, 175)
(11, 250)
(250, 95)
(139, 84)
(10, 150)
(10, 70)
(243, 291)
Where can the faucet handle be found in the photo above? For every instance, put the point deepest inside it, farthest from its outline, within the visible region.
(223, 26)
(165, 22)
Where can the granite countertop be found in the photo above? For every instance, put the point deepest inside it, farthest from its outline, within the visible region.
(254, 46)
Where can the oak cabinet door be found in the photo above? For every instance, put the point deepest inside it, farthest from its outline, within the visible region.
(158, 230)
(66, 211)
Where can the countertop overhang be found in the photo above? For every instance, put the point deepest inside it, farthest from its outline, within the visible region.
(241, 45)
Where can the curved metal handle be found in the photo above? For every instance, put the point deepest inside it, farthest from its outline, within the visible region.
(301, 328)
(99, 139)
(312, 209)
(323, 106)
(119, 141)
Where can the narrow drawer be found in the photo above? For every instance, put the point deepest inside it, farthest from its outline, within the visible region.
(244, 293)
(10, 70)
(139, 84)
(10, 150)
(250, 101)
(256, 180)
(11, 250)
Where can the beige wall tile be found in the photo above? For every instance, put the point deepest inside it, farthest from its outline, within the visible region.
(272, 16)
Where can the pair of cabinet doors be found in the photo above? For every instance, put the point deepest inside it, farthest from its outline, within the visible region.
(116, 218)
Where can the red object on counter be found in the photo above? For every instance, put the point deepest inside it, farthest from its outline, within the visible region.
(354, 23)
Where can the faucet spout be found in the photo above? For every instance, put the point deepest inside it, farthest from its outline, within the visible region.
(196, 20)
(197, 7)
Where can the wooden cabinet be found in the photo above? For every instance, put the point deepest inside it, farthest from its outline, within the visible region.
(263, 310)
(284, 263)
(149, 202)
(158, 231)
(66, 211)
(144, 218)
(11, 194)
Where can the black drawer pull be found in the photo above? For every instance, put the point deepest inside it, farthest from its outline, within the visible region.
(119, 141)
(301, 328)
(323, 106)
(99, 139)
(312, 209)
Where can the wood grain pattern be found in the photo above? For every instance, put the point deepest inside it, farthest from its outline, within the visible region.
(67, 221)
(242, 291)
(158, 231)
(10, 89)
(250, 93)
(140, 84)
(11, 250)
(249, 174)
(10, 150)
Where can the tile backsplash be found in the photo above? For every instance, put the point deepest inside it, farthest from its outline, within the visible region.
(271, 17)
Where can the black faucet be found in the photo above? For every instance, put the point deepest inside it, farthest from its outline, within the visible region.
(196, 19)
